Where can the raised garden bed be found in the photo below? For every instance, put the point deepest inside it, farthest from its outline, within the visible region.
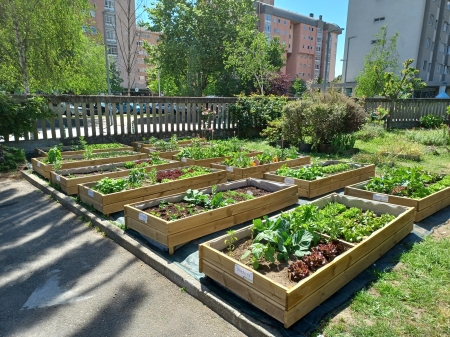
(253, 167)
(114, 202)
(69, 179)
(151, 141)
(44, 169)
(68, 152)
(289, 302)
(321, 181)
(148, 219)
(427, 193)
(208, 161)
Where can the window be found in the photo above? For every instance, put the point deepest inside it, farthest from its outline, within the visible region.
(109, 4)
(317, 48)
(92, 13)
(312, 29)
(438, 68)
(448, 5)
(317, 66)
(139, 43)
(448, 50)
(268, 18)
(285, 22)
(319, 39)
(112, 50)
(94, 30)
(279, 21)
(445, 26)
(304, 65)
(141, 78)
(441, 47)
(304, 27)
(424, 65)
(267, 28)
(431, 21)
(304, 37)
(109, 20)
(429, 67)
(374, 41)
(85, 29)
(110, 35)
(379, 19)
(303, 47)
(284, 32)
(319, 30)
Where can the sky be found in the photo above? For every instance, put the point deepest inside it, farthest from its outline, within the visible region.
(332, 11)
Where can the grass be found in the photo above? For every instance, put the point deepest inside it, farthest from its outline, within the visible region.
(410, 300)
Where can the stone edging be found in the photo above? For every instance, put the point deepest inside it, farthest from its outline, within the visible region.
(246, 324)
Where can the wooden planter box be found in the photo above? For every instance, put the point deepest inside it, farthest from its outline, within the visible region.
(236, 173)
(44, 169)
(66, 153)
(314, 188)
(70, 185)
(115, 202)
(288, 305)
(207, 162)
(424, 207)
(165, 155)
(177, 232)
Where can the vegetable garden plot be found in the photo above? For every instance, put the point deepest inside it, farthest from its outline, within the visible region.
(44, 169)
(110, 195)
(288, 303)
(322, 178)
(69, 179)
(67, 152)
(413, 187)
(217, 211)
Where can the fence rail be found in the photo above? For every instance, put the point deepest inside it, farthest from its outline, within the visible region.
(111, 116)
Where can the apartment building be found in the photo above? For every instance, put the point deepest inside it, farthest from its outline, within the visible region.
(423, 27)
(305, 38)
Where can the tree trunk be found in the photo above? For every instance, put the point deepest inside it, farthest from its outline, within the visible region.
(22, 57)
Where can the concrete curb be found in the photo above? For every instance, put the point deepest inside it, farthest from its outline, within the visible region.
(243, 322)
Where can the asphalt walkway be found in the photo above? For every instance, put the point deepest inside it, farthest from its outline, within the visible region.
(59, 277)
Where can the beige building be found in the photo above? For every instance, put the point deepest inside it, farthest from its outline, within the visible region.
(305, 38)
(423, 27)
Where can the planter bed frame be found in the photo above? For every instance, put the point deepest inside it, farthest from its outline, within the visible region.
(45, 169)
(289, 304)
(69, 185)
(330, 183)
(424, 207)
(208, 161)
(236, 173)
(115, 202)
(67, 153)
(177, 232)
(164, 155)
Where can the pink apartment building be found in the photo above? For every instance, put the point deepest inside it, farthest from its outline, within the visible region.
(305, 39)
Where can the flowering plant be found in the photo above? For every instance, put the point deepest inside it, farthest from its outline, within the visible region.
(207, 114)
(380, 114)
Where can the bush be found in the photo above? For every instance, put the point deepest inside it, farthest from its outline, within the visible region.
(256, 111)
(430, 121)
(10, 158)
(296, 121)
(17, 118)
(370, 131)
(273, 131)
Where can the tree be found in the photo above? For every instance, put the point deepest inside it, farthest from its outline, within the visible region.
(337, 79)
(42, 45)
(395, 87)
(279, 84)
(251, 56)
(384, 56)
(298, 86)
(191, 48)
(115, 81)
(128, 36)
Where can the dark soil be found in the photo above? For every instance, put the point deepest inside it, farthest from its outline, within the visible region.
(278, 271)
(184, 209)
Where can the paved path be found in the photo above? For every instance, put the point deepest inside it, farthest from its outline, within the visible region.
(58, 277)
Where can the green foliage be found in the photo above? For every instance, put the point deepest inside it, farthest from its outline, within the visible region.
(54, 155)
(18, 117)
(273, 131)
(115, 81)
(413, 182)
(231, 240)
(430, 121)
(436, 137)
(296, 121)
(384, 56)
(298, 86)
(218, 148)
(256, 111)
(10, 158)
(370, 131)
(311, 172)
(110, 185)
(341, 142)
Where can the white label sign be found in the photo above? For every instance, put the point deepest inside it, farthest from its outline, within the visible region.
(244, 273)
(91, 193)
(229, 168)
(143, 217)
(183, 160)
(39, 164)
(139, 145)
(249, 192)
(289, 181)
(58, 178)
(381, 197)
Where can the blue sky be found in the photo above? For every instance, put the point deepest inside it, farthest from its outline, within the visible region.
(333, 11)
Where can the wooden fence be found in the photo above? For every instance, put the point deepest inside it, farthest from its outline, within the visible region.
(407, 112)
(94, 116)
(97, 116)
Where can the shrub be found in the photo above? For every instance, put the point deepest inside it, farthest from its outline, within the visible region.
(430, 121)
(273, 131)
(18, 117)
(370, 131)
(436, 137)
(10, 158)
(296, 121)
(256, 111)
